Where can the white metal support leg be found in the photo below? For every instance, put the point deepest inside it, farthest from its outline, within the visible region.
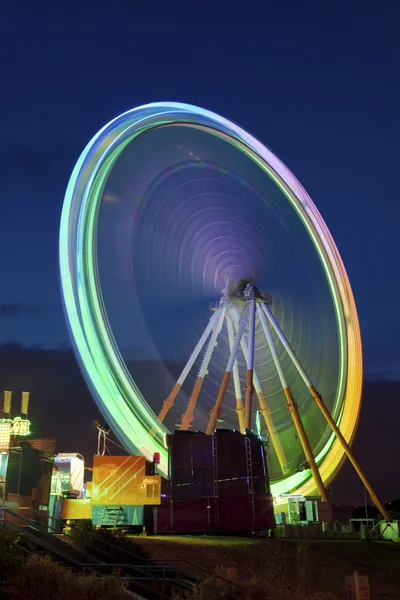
(250, 300)
(187, 417)
(236, 378)
(264, 408)
(292, 406)
(321, 405)
(215, 413)
(169, 401)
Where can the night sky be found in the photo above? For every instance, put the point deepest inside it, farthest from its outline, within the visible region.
(322, 90)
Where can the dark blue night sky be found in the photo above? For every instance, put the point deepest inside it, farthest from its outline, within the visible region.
(321, 89)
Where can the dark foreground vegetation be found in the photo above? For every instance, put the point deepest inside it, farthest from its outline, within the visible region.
(284, 569)
(261, 569)
(25, 576)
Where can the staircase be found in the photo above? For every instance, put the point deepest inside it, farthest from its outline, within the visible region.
(144, 580)
(110, 516)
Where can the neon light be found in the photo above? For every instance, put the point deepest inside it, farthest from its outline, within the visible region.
(5, 434)
(116, 393)
(16, 426)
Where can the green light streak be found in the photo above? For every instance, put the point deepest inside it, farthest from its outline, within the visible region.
(112, 385)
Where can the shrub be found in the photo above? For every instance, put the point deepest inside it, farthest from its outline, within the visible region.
(87, 537)
(209, 589)
(10, 554)
(41, 579)
(81, 532)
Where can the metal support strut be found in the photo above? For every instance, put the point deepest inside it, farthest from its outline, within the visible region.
(319, 402)
(187, 417)
(251, 302)
(236, 378)
(169, 401)
(294, 411)
(215, 412)
(264, 410)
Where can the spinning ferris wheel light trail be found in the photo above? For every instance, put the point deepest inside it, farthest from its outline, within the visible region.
(253, 331)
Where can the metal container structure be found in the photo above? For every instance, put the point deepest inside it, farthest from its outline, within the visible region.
(122, 493)
(28, 476)
(70, 471)
(217, 483)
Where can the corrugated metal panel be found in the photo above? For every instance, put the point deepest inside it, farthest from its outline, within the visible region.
(229, 487)
(202, 459)
(264, 511)
(193, 483)
(231, 456)
(229, 513)
(162, 520)
(234, 513)
(191, 515)
(192, 474)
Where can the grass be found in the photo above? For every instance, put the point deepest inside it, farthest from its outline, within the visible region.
(280, 569)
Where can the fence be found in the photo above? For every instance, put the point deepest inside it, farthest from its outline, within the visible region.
(317, 531)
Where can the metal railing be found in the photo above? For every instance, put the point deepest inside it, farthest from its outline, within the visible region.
(137, 575)
(152, 580)
(41, 517)
(171, 561)
(164, 577)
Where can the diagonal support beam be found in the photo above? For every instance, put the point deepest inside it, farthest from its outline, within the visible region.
(215, 412)
(321, 405)
(236, 377)
(264, 409)
(169, 401)
(294, 411)
(188, 415)
(251, 301)
(349, 453)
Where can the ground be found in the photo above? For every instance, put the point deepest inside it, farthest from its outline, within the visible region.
(323, 564)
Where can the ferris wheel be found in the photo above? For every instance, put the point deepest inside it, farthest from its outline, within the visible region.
(171, 211)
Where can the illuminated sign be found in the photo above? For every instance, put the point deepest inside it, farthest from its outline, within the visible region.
(16, 426)
(5, 434)
(20, 426)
